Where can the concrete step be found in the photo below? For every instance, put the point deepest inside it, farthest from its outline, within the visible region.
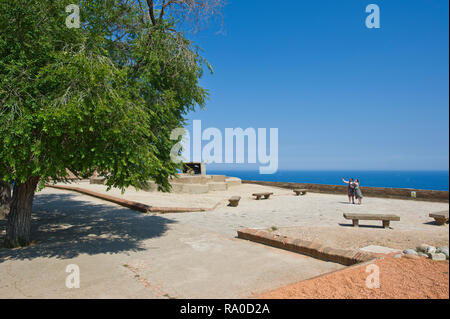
(197, 179)
(217, 186)
(218, 178)
(151, 187)
(177, 187)
(182, 188)
(233, 181)
(195, 188)
(197, 184)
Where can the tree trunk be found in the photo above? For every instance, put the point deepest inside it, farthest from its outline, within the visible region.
(18, 227)
(5, 199)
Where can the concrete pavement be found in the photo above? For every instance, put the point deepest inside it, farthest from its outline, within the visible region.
(125, 254)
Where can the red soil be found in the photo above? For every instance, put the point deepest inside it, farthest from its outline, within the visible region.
(399, 279)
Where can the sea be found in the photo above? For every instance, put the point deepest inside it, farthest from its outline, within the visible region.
(430, 180)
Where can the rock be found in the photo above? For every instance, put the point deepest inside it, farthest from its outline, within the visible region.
(380, 250)
(410, 252)
(398, 256)
(423, 255)
(437, 257)
(422, 248)
(442, 250)
(412, 256)
(431, 250)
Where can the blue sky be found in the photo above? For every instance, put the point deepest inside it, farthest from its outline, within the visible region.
(342, 96)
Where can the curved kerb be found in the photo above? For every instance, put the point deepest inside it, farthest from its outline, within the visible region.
(140, 207)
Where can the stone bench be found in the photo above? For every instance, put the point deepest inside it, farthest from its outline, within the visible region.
(441, 218)
(385, 218)
(234, 201)
(98, 180)
(265, 195)
(299, 191)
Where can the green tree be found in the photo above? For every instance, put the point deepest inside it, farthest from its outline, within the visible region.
(103, 97)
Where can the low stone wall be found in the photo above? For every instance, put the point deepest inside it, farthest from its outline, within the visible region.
(313, 249)
(400, 193)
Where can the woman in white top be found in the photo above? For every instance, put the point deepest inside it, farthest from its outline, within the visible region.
(358, 193)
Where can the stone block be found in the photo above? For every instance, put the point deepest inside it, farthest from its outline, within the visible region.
(437, 257)
(217, 186)
(233, 181)
(410, 252)
(195, 188)
(97, 180)
(218, 178)
(443, 250)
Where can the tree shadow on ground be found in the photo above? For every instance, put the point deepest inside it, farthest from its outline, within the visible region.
(65, 227)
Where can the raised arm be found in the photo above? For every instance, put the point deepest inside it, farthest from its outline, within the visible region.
(346, 182)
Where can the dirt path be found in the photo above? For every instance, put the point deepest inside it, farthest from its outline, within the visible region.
(399, 279)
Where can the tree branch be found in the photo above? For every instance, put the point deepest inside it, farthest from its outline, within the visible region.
(151, 11)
